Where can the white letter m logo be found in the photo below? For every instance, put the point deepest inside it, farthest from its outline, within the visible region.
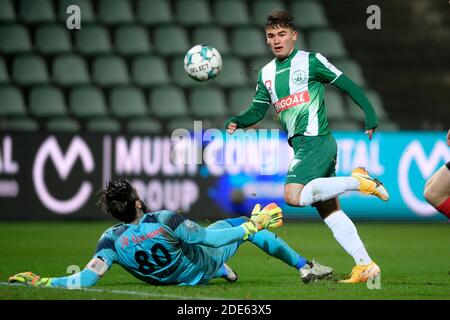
(63, 164)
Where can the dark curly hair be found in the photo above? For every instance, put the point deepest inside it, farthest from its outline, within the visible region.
(118, 198)
(280, 19)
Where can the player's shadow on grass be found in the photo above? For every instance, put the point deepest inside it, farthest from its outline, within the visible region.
(126, 283)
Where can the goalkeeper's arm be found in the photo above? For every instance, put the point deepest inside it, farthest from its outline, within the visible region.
(86, 278)
(190, 232)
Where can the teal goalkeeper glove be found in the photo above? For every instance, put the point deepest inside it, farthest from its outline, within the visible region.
(269, 217)
(30, 279)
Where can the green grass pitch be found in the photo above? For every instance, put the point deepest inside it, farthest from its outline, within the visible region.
(414, 258)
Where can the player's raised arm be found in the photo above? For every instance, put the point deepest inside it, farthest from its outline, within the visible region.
(89, 276)
(254, 113)
(327, 73)
(345, 84)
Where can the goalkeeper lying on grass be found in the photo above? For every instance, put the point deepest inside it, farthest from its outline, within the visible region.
(163, 248)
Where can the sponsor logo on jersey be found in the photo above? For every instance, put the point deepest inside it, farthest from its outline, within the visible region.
(140, 238)
(124, 241)
(291, 101)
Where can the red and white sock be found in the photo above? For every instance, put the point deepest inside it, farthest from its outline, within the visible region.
(444, 208)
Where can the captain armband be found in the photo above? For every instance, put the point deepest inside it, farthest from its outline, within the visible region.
(98, 266)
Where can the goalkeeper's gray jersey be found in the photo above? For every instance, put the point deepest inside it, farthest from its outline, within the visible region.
(295, 88)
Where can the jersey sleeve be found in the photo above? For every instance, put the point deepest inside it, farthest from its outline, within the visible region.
(261, 96)
(104, 257)
(322, 69)
(106, 250)
(257, 109)
(188, 231)
(346, 85)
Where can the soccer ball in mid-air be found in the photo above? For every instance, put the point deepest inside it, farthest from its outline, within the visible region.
(202, 62)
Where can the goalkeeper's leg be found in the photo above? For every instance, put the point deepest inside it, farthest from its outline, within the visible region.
(273, 245)
(276, 247)
(269, 243)
(226, 252)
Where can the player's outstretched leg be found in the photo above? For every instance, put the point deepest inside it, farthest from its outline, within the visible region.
(276, 247)
(322, 189)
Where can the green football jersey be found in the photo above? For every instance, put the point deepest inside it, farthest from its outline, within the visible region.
(295, 88)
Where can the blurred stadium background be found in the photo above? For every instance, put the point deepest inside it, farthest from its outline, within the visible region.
(79, 107)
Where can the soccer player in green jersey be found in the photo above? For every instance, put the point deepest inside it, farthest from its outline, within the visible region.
(293, 83)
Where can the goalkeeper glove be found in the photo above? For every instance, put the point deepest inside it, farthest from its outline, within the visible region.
(250, 228)
(269, 217)
(30, 279)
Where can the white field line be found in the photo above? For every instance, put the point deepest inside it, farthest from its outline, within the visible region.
(123, 292)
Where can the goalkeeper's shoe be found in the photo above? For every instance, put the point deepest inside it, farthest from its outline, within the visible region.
(30, 279)
(362, 273)
(313, 271)
(231, 275)
(369, 185)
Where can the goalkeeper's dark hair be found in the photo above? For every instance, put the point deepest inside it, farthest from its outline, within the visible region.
(119, 198)
(280, 19)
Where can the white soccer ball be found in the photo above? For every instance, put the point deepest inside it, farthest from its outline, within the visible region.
(202, 62)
